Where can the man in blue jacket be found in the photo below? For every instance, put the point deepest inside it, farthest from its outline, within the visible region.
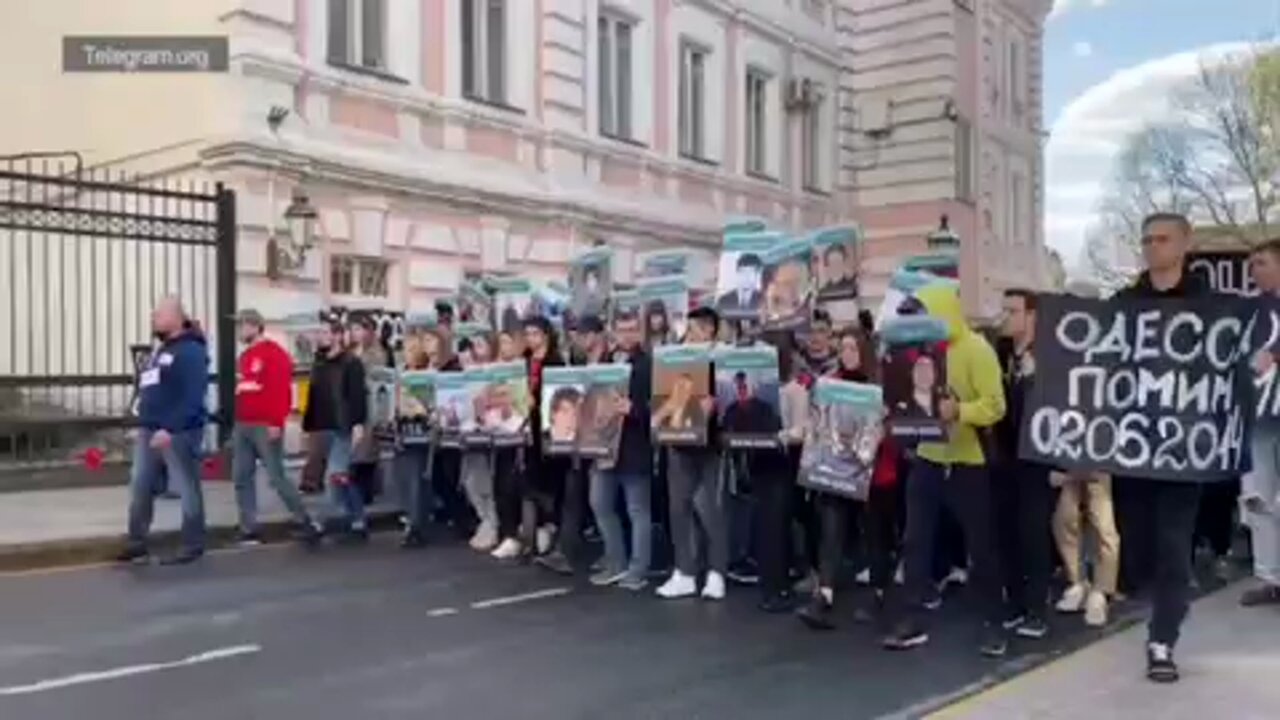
(171, 419)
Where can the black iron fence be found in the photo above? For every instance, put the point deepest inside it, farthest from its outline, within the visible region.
(83, 259)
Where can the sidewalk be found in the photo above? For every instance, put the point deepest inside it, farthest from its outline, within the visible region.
(80, 525)
(1229, 657)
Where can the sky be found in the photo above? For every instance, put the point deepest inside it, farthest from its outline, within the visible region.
(1109, 66)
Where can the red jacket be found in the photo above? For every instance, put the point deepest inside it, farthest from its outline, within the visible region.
(264, 385)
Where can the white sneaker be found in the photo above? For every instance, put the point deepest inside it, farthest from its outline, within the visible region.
(900, 575)
(713, 588)
(508, 549)
(1072, 599)
(485, 539)
(863, 577)
(1095, 609)
(544, 538)
(679, 585)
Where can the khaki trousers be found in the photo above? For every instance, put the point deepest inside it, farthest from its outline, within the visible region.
(1095, 498)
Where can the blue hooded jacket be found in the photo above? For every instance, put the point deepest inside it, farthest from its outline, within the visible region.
(172, 386)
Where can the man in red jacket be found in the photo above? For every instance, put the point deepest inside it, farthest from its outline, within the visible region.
(264, 397)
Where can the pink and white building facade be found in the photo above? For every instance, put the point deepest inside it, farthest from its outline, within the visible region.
(447, 139)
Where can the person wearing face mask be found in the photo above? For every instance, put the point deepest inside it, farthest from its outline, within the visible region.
(337, 410)
(879, 513)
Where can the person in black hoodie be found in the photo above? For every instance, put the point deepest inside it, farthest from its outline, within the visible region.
(337, 412)
(1022, 496)
(171, 420)
(1157, 518)
(632, 472)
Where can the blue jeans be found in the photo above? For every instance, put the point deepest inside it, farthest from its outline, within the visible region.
(181, 461)
(412, 473)
(605, 485)
(337, 471)
(250, 445)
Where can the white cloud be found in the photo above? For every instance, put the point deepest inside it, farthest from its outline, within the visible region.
(1061, 6)
(1090, 131)
(1082, 48)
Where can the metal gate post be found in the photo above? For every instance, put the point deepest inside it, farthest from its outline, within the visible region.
(227, 335)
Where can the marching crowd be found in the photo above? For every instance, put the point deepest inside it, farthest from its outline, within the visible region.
(965, 511)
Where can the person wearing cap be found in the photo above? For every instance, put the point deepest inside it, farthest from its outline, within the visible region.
(264, 398)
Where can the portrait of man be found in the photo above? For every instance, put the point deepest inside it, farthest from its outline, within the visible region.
(745, 296)
(564, 414)
(839, 272)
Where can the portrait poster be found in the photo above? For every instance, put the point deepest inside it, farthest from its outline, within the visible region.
(744, 224)
(836, 262)
(747, 395)
(900, 296)
(512, 302)
(626, 302)
(580, 410)
(551, 301)
(456, 396)
(1144, 387)
(681, 390)
(788, 285)
(844, 435)
(475, 305)
(740, 282)
(591, 282)
(666, 306)
(942, 263)
(380, 385)
(665, 263)
(503, 403)
(417, 405)
(914, 374)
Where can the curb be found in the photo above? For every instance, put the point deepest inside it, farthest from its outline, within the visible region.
(103, 549)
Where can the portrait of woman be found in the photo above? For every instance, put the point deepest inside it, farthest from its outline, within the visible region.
(657, 323)
(921, 397)
(681, 410)
(787, 293)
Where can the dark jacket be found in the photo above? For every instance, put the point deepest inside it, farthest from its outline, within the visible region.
(635, 449)
(535, 396)
(337, 399)
(172, 386)
(1017, 383)
(1192, 284)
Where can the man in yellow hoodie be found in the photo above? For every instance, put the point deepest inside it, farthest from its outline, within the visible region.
(955, 474)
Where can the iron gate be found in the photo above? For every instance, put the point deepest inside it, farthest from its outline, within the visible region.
(83, 259)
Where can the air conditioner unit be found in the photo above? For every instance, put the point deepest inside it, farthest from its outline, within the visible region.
(874, 116)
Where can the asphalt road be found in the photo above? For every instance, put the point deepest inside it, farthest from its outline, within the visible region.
(376, 633)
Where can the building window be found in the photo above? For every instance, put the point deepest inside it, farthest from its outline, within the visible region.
(693, 95)
(1016, 91)
(357, 33)
(964, 160)
(358, 276)
(615, 76)
(483, 50)
(811, 142)
(1017, 213)
(757, 122)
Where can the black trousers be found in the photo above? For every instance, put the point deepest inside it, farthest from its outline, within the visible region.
(1216, 518)
(773, 476)
(966, 491)
(573, 509)
(447, 486)
(1160, 516)
(878, 518)
(1023, 506)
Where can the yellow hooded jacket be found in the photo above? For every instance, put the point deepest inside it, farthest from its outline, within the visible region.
(973, 375)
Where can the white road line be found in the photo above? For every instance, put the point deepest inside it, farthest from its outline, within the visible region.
(128, 671)
(513, 599)
(442, 612)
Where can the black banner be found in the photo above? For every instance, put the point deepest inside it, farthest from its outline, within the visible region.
(1148, 388)
(1227, 272)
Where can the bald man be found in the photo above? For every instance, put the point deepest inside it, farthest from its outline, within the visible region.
(171, 420)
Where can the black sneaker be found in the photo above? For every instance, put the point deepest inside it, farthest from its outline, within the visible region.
(134, 554)
(817, 613)
(310, 534)
(1033, 628)
(248, 538)
(868, 610)
(906, 636)
(931, 603)
(556, 562)
(744, 572)
(185, 557)
(1014, 621)
(413, 539)
(777, 603)
(1160, 665)
(356, 535)
(994, 643)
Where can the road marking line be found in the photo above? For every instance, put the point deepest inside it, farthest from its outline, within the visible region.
(442, 612)
(513, 599)
(130, 670)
